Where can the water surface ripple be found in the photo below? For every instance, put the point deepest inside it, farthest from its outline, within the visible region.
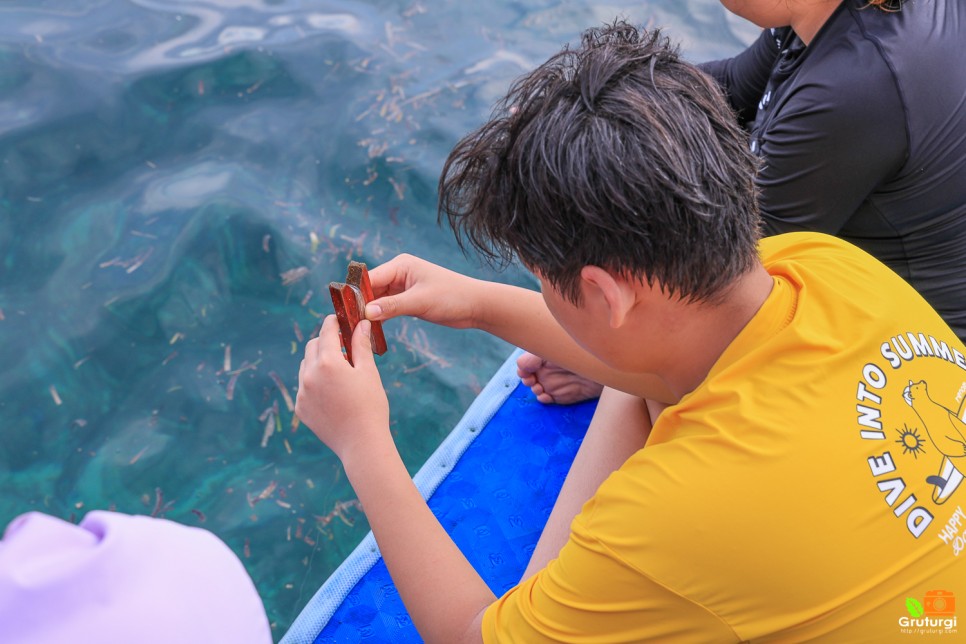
(178, 183)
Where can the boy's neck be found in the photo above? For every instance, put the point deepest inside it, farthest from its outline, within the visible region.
(697, 334)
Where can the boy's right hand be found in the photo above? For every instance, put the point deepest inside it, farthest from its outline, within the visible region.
(407, 285)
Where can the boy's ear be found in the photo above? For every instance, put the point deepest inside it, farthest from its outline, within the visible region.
(616, 293)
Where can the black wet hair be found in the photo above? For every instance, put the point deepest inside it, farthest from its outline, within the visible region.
(616, 154)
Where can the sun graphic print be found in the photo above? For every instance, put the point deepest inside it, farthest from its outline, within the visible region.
(911, 441)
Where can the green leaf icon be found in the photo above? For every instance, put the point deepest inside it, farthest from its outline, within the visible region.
(914, 607)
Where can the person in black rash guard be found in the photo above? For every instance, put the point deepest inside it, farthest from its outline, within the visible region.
(857, 109)
(862, 134)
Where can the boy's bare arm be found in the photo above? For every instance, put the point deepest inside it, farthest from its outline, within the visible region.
(346, 407)
(407, 285)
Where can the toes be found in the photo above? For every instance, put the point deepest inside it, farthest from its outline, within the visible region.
(546, 399)
(528, 363)
(529, 380)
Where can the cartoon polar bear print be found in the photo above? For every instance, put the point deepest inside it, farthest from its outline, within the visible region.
(946, 431)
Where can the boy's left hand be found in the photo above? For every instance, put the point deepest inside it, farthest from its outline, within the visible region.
(344, 405)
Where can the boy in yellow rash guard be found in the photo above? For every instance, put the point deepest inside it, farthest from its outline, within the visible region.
(806, 480)
(806, 489)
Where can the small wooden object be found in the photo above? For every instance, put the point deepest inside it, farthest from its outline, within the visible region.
(349, 300)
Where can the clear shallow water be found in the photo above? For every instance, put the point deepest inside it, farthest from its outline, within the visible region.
(179, 181)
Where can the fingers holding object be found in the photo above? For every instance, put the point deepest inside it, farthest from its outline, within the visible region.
(317, 346)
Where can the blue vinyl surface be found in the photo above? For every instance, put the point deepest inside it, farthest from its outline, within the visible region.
(494, 502)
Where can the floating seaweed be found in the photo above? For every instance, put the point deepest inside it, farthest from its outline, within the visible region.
(417, 343)
(264, 494)
(270, 418)
(137, 457)
(160, 506)
(131, 264)
(230, 389)
(339, 512)
(283, 389)
(294, 275)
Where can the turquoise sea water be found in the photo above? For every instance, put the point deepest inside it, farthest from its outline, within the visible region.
(179, 181)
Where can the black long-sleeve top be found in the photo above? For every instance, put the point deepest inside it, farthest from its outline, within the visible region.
(862, 134)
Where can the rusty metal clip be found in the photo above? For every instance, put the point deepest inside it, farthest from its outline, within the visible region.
(349, 300)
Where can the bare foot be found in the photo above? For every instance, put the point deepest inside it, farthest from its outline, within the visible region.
(553, 384)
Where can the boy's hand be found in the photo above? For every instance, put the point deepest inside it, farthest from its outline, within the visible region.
(407, 285)
(344, 405)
